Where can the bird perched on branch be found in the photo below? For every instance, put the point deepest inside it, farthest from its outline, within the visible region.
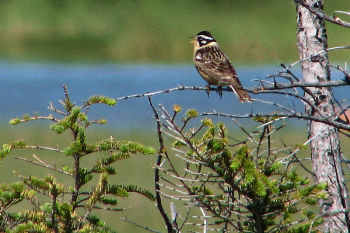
(214, 67)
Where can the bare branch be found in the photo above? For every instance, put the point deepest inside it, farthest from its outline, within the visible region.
(42, 148)
(322, 15)
(278, 86)
(178, 88)
(42, 164)
(174, 215)
(156, 174)
(204, 220)
(139, 225)
(346, 74)
(257, 90)
(286, 115)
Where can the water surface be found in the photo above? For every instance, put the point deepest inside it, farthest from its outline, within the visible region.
(27, 88)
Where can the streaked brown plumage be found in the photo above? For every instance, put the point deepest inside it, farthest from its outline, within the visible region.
(214, 67)
(344, 118)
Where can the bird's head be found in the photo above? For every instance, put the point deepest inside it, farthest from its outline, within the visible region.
(203, 38)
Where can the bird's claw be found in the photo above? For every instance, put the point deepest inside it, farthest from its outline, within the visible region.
(207, 90)
(219, 91)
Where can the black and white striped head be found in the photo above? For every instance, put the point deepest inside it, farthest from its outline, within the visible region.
(204, 38)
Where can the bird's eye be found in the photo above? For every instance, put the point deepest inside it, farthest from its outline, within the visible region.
(203, 42)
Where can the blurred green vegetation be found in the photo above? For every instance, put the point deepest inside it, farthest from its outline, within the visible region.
(140, 209)
(145, 31)
(138, 170)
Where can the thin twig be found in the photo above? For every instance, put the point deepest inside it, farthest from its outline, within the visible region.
(204, 220)
(139, 225)
(156, 174)
(44, 165)
(43, 148)
(278, 86)
(322, 15)
(336, 83)
(316, 54)
(295, 115)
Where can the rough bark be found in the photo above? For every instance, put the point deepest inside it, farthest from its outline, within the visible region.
(325, 148)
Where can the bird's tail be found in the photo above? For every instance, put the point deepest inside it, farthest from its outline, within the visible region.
(242, 94)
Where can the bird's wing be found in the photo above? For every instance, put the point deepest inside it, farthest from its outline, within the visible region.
(216, 69)
(213, 62)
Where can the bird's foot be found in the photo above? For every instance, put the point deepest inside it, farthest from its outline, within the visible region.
(219, 91)
(207, 90)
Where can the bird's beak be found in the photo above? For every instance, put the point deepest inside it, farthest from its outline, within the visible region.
(193, 41)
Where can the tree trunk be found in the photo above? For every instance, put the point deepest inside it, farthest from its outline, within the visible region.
(325, 148)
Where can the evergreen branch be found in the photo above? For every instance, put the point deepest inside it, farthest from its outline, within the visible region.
(27, 118)
(135, 189)
(99, 99)
(59, 213)
(100, 121)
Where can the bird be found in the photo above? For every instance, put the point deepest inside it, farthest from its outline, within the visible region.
(343, 116)
(215, 67)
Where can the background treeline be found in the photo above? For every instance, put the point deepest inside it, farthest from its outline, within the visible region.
(151, 30)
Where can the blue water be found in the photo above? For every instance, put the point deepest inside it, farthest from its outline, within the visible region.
(27, 88)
